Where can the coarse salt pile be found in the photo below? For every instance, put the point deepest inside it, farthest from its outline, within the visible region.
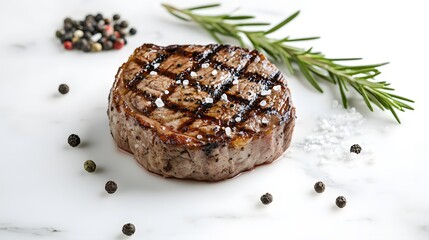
(333, 134)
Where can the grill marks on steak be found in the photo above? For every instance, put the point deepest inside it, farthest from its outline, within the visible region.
(210, 71)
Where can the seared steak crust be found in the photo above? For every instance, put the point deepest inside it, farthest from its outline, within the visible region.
(200, 112)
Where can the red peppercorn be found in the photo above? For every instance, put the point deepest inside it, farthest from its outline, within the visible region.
(118, 44)
(109, 29)
(68, 45)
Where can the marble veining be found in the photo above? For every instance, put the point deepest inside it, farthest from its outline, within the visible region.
(42, 231)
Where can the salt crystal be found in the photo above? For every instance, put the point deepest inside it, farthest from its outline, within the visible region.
(238, 119)
(228, 131)
(264, 120)
(199, 137)
(166, 92)
(214, 72)
(153, 73)
(235, 82)
(209, 100)
(185, 82)
(159, 102)
(156, 65)
(265, 92)
(277, 88)
(178, 81)
(263, 103)
(224, 97)
(332, 136)
(193, 74)
(205, 65)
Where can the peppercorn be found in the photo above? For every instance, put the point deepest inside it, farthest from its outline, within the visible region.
(118, 44)
(74, 140)
(89, 18)
(132, 31)
(68, 26)
(116, 17)
(128, 229)
(63, 88)
(78, 33)
(124, 24)
(66, 37)
(116, 27)
(86, 47)
(267, 198)
(68, 45)
(111, 187)
(107, 45)
(59, 34)
(98, 17)
(112, 38)
(89, 166)
(355, 148)
(319, 187)
(341, 201)
(67, 20)
(96, 47)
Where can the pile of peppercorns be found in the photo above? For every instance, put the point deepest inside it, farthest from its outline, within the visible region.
(95, 33)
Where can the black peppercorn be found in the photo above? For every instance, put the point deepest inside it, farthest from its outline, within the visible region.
(98, 17)
(132, 31)
(68, 26)
(128, 229)
(341, 201)
(111, 187)
(74, 140)
(319, 187)
(116, 17)
(355, 148)
(107, 45)
(63, 88)
(89, 166)
(267, 198)
(124, 24)
(67, 20)
(116, 27)
(112, 38)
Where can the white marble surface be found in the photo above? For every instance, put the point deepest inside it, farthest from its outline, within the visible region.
(46, 194)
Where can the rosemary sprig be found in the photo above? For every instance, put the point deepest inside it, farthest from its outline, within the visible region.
(313, 65)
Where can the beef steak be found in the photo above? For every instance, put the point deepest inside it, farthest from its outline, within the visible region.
(200, 112)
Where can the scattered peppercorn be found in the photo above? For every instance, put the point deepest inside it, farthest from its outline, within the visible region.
(111, 187)
(116, 17)
(267, 198)
(63, 88)
(341, 201)
(132, 31)
(95, 30)
(89, 166)
(355, 148)
(319, 187)
(74, 140)
(128, 229)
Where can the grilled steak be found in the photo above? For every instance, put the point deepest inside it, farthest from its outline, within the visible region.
(200, 112)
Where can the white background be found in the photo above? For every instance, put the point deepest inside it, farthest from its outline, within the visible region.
(43, 185)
